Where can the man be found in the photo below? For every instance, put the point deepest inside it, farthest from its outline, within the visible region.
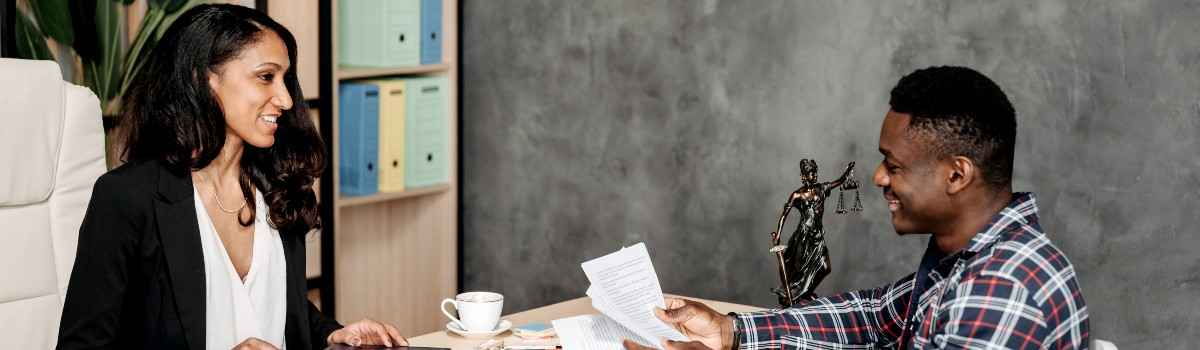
(989, 278)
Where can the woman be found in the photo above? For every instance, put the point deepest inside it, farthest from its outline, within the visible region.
(198, 240)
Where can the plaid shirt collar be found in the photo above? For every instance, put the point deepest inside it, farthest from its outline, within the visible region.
(936, 265)
(1021, 210)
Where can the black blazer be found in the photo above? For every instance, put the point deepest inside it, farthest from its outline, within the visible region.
(138, 280)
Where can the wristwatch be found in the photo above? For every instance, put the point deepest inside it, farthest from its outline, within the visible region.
(737, 336)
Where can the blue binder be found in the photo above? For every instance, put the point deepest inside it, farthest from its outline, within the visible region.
(431, 31)
(358, 139)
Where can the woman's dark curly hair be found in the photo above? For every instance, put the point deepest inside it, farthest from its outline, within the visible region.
(173, 116)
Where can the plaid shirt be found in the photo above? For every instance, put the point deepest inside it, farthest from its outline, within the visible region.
(1009, 289)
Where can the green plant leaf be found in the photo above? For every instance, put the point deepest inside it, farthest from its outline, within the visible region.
(169, 6)
(171, 16)
(108, 24)
(123, 2)
(30, 42)
(103, 72)
(146, 30)
(54, 18)
(154, 24)
(137, 64)
(140, 48)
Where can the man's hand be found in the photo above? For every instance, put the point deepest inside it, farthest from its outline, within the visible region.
(668, 345)
(254, 344)
(367, 332)
(706, 327)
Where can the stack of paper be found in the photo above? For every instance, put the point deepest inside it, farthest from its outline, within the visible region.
(625, 290)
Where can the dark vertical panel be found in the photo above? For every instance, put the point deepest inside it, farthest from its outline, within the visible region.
(8, 37)
(458, 61)
(325, 76)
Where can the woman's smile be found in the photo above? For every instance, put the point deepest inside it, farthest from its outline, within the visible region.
(270, 122)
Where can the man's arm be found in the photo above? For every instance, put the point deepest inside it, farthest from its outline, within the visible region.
(870, 318)
(989, 311)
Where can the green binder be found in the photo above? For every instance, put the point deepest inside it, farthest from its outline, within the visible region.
(426, 132)
(379, 33)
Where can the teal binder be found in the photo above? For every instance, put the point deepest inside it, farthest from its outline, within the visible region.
(379, 33)
(426, 132)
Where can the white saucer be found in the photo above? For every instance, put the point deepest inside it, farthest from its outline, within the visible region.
(500, 328)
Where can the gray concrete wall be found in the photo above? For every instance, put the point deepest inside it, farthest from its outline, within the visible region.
(588, 125)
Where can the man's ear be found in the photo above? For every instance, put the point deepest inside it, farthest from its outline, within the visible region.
(961, 175)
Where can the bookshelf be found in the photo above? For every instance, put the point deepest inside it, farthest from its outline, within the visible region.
(388, 256)
(390, 196)
(350, 73)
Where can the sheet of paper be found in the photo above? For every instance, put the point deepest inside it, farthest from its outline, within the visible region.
(594, 332)
(601, 304)
(627, 289)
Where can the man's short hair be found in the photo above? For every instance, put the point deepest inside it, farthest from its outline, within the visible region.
(960, 112)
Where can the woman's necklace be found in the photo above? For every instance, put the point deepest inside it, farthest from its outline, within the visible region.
(217, 198)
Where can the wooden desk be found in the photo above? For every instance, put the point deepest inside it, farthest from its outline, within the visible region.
(580, 306)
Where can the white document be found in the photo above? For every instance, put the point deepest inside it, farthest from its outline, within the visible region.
(593, 332)
(625, 289)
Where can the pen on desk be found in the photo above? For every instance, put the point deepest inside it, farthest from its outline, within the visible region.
(532, 347)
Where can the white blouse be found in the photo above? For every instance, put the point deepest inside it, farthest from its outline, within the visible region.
(235, 309)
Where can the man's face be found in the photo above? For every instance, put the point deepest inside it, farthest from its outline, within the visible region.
(910, 178)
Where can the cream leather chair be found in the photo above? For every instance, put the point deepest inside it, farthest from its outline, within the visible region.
(51, 152)
(1103, 345)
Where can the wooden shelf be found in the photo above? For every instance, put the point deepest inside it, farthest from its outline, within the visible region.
(389, 196)
(348, 73)
(388, 256)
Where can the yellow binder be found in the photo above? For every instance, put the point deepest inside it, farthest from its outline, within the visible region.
(392, 94)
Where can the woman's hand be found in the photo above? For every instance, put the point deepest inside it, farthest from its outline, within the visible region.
(254, 344)
(368, 332)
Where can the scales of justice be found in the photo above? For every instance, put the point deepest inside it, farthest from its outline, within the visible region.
(804, 261)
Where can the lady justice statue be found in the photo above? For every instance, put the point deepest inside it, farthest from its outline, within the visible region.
(804, 261)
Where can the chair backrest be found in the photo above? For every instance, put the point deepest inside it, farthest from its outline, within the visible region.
(52, 152)
(1098, 344)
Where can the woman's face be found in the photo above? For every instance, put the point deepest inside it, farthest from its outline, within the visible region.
(251, 90)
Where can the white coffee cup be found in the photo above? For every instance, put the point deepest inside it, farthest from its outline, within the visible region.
(477, 311)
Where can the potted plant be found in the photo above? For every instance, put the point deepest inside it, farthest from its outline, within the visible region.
(91, 31)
